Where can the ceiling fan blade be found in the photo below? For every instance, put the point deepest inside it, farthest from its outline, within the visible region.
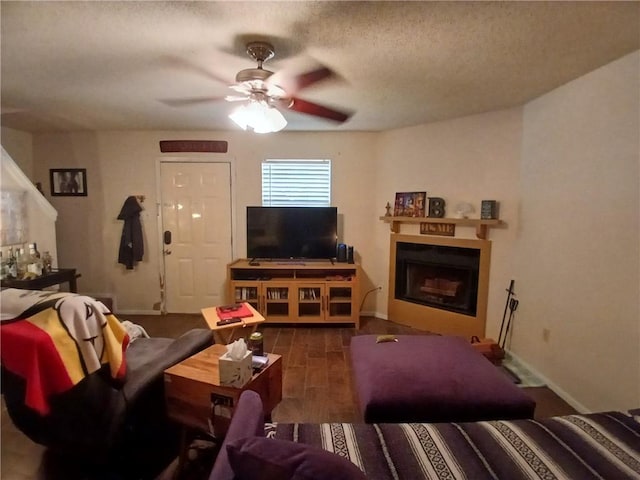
(235, 98)
(293, 84)
(310, 108)
(309, 78)
(185, 102)
(177, 62)
(241, 88)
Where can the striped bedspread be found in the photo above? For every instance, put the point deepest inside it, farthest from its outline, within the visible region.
(594, 446)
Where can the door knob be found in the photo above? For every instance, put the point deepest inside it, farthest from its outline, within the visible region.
(167, 237)
(166, 251)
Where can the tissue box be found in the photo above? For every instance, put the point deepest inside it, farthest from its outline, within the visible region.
(235, 373)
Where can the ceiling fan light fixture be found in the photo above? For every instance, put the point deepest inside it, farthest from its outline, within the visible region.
(258, 117)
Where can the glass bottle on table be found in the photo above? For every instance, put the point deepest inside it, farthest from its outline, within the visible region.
(3, 267)
(46, 262)
(12, 266)
(21, 264)
(34, 262)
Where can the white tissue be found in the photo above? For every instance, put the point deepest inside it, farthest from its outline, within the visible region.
(237, 350)
(234, 366)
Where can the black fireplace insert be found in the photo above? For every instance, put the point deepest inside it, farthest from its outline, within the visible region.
(438, 276)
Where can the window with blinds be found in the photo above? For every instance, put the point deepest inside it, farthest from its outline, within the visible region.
(296, 183)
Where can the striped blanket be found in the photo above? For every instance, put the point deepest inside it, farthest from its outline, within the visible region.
(602, 446)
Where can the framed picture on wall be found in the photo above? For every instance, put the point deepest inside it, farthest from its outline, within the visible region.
(410, 204)
(68, 182)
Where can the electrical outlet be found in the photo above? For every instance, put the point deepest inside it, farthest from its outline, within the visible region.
(546, 334)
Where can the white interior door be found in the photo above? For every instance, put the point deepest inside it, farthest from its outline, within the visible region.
(196, 209)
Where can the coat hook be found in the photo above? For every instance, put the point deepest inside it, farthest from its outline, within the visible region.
(140, 198)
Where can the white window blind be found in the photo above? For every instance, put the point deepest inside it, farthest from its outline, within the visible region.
(296, 183)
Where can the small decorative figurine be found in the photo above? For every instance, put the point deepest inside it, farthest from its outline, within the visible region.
(464, 209)
(388, 207)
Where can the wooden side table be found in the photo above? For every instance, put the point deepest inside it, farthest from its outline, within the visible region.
(195, 398)
(225, 334)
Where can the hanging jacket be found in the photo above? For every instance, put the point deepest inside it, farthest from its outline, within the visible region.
(131, 245)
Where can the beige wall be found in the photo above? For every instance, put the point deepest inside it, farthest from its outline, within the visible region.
(467, 159)
(120, 164)
(20, 146)
(577, 257)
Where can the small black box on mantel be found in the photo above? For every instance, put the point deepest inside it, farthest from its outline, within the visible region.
(436, 207)
(489, 210)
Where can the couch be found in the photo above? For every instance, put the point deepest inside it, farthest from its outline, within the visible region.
(603, 445)
(72, 381)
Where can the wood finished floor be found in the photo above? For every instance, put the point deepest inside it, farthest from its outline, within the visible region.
(317, 383)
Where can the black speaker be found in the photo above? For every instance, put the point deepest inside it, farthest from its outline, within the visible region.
(350, 258)
(436, 207)
(341, 255)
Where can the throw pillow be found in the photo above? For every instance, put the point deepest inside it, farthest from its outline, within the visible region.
(272, 459)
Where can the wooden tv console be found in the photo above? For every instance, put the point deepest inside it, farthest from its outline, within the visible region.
(306, 291)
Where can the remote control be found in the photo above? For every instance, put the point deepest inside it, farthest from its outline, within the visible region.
(228, 321)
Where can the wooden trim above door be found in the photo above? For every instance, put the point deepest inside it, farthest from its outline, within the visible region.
(206, 146)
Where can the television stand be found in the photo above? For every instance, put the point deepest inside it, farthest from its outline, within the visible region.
(296, 291)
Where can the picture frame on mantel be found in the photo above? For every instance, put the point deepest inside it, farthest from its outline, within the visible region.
(68, 182)
(410, 204)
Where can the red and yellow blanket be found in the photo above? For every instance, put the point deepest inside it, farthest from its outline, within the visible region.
(55, 339)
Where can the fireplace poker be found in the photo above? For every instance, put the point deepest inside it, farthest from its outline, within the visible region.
(504, 315)
(513, 305)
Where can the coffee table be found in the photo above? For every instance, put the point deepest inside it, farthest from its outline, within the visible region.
(227, 333)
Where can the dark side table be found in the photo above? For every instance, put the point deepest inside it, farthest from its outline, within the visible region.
(55, 277)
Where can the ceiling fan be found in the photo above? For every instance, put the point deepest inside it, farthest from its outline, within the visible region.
(258, 85)
(263, 94)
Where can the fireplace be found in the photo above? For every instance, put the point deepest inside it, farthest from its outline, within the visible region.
(439, 284)
(438, 276)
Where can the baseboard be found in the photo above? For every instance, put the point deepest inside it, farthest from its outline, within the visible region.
(373, 314)
(114, 305)
(552, 386)
(137, 312)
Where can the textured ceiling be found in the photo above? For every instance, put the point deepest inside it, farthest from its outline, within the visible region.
(123, 65)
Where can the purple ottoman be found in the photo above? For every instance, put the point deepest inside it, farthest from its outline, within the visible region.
(431, 378)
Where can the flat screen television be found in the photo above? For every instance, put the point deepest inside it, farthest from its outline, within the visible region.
(292, 232)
